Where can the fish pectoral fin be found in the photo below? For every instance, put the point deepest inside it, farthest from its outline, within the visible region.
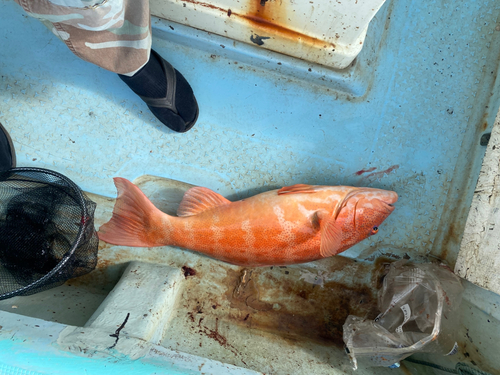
(297, 189)
(331, 237)
(199, 199)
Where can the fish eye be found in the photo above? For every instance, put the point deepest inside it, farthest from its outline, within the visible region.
(374, 230)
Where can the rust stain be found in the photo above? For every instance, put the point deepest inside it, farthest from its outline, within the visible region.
(359, 173)
(485, 125)
(276, 303)
(103, 245)
(383, 173)
(293, 308)
(108, 257)
(451, 236)
(268, 18)
(272, 28)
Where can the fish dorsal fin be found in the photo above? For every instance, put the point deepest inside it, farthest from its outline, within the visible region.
(297, 189)
(199, 199)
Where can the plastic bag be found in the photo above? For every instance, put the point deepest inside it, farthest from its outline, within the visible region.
(418, 304)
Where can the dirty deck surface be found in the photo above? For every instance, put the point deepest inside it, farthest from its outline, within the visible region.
(273, 320)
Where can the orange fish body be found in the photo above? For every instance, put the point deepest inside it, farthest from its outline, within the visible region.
(295, 224)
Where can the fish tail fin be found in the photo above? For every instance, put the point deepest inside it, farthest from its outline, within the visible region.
(135, 221)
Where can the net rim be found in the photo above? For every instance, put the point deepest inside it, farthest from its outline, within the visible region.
(71, 251)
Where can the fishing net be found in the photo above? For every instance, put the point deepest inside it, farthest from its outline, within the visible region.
(47, 233)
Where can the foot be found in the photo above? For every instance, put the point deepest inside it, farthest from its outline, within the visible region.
(7, 153)
(166, 92)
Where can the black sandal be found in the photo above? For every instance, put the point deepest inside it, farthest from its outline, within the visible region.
(7, 152)
(166, 108)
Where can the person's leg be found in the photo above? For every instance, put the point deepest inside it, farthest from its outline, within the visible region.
(113, 34)
(116, 35)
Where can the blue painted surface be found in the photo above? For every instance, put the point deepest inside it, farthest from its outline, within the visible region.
(31, 349)
(415, 105)
(424, 87)
(48, 360)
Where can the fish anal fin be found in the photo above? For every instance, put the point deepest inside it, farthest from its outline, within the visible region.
(297, 189)
(331, 236)
(199, 199)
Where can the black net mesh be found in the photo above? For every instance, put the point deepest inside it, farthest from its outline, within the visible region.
(47, 233)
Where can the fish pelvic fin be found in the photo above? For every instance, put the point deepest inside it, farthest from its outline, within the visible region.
(199, 199)
(135, 221)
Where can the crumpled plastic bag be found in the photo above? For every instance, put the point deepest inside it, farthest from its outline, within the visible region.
(418, 304)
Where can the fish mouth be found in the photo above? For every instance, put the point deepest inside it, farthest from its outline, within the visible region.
(386, 208)
(389, 201)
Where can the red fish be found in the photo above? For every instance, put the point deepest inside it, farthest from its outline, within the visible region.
(295, 224)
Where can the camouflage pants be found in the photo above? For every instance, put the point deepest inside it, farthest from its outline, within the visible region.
(113, 34)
